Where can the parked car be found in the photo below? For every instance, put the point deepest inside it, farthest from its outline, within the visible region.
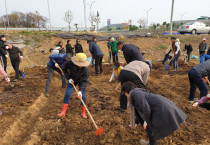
(194, 28)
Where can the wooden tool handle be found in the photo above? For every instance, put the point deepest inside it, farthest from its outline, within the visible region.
(60, 70)
(86, 108)
(117, 86)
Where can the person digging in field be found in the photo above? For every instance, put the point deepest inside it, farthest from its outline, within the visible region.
(116, 71)
(176, 52)
(56, 62)
(97, 55)
(203, 102)
(204, 57)
(78, 47)
(137, 72)
(114, 49)
(130, 52)
(189, 49)
(69, 49)
(3, 52)
(196, 75)
(167, 55)
(15, 59)
(159, 116)
(109, 49)
(76, 71)
(202, 47)
(4, 74)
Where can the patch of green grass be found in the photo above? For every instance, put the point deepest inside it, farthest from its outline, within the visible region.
(161, 46)
(27, 42)
(25, 32)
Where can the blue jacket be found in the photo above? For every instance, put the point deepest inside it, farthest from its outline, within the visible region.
(57, 58)
(95, 49)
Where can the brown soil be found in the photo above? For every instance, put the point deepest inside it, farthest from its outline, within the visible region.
(30, 118)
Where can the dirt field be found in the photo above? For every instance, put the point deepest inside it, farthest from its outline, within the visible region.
(30, 118)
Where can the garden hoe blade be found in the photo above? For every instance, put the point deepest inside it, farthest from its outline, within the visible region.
(99, 131)
(166, 67)
(24, 74)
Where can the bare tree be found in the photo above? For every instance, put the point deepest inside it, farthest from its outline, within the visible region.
(97, 20)
(91, 19)
(68, 18)
(142, 23)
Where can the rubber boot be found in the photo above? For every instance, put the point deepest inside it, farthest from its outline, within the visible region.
(83, 112)
(63, 112)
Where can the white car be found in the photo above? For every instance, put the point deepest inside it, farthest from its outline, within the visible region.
(194, 28)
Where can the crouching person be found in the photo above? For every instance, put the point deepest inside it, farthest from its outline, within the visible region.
(76, 71)
(4, 74)
(116, 71)
(196, 75)
(161, 116)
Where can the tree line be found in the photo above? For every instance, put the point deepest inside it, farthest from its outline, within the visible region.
(20, 19)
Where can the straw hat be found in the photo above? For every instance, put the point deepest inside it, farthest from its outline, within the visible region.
(80, 60)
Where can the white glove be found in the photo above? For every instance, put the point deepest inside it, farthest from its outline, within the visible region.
(7, 47)
(6, 55)
(195, 105)
(56, 65)
(145, 125)
(79, 95)
(71, 81)
(198, 50)
(21, 57)
(206, 50)
(7, 79)
(176, 53)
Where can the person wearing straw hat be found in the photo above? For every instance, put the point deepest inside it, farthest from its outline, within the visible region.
(76, 71)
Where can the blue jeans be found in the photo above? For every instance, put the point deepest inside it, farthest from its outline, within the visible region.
(196, 81)
(69, 92)
(175, 60)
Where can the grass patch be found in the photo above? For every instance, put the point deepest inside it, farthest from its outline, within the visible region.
(161, 46)
(27, 42)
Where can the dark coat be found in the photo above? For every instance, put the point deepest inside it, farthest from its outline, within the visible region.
(14, 53)
(131, 53)
(94, 49)
(78, 75)
(188, 48)
(3, 52)
(69, 49)
(203, 68)
(78, 48)
(161, 114)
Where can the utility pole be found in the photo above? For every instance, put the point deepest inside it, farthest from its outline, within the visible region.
(84, 1)
(49, 14)
(148, 15)
(90, 14)
(6, 12)
(172, 12)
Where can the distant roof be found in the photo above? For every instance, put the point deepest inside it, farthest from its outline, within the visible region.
(203, 17)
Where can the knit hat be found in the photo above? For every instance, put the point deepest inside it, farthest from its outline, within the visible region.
(119, 43)
(80, 60)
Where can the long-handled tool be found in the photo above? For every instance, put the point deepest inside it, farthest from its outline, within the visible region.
(60, 70)
(24, 74)
(117, 86)
(98, 130)
(169, 61)
(208, 83)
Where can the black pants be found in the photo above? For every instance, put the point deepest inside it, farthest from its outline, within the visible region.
(132, 77)
(201, 53)
(15, 65)
(4, 62)
(166, 58)
(115, 56)
(139, 120)
(98, 62)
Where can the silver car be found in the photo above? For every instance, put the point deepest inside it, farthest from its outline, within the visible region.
(194, 28)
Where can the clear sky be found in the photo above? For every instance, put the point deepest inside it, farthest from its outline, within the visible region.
(117, 10)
